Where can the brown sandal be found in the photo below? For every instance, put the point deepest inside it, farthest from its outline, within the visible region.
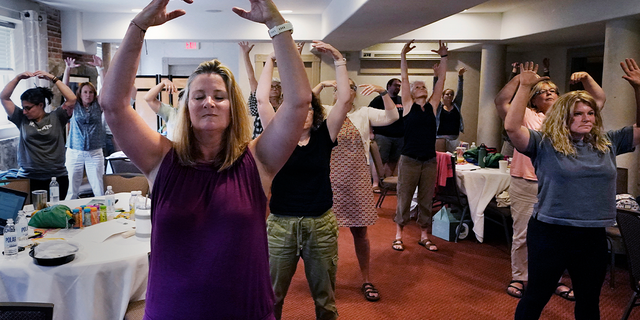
(397, 245)
(428, 244)
(370, 292)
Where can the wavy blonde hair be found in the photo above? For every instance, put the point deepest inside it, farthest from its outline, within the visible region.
(537, 87)
(237, 135)
(558, 121)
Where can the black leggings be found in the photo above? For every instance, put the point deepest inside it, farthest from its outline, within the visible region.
(554, 248)
(63, 181)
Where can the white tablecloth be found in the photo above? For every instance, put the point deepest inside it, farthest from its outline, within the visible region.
(97, 284)
(480, 185)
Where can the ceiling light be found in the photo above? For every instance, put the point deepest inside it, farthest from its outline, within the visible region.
(136, 10)
(286, 11)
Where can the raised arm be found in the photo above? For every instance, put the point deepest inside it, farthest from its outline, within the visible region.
(246, 49)
(389, 114)
(458, 99)
(519, 134)
(632, 74)
(97, 62)
(591, 86)
(143, 145)
(5, 95)
(338, 113)
(441, 72)
(69, 63)
(323, 84)
(265, 109)
(69, 96)
(503, 99)
(407, 100)
(152, 95)
(276, 143)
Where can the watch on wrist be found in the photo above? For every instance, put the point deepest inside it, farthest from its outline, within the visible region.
(286, 26)
(383, 93)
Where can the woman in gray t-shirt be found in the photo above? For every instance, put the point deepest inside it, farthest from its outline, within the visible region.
(42, 135)
(575, 162)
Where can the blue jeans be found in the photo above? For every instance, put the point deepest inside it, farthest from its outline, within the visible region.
(315, 239)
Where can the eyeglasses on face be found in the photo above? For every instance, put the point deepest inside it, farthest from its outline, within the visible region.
(354, 88)
(544, 91)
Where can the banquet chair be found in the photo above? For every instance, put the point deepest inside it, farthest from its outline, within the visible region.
(629, 224)
(451, 195)
(386, 184)
(26, 311)
(18, 185)
(126, 182)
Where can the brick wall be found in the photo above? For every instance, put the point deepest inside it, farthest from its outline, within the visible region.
(54, 34)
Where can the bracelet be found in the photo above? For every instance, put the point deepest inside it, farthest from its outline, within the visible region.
(446, 55)
(139, 27)
(383, 93)
(54, 79)
(286, 26)
(342, 62)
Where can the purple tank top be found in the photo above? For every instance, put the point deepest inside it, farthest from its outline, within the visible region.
(209, 255)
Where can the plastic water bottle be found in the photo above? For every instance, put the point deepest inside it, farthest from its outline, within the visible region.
(22, 229)
(10, 240)
(473, 145)
(132, 205)
(110, 199)
(54, 190)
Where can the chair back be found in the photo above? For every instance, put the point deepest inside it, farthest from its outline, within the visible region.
(126, 182)
(629, 224)
(450, 194)
(19, 185)
(377, 159)
(26, 311)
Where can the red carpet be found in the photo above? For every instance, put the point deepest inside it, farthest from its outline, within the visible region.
(464, 280)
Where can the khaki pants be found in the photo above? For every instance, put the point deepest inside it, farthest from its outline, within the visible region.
(523, 195)
(411, 174)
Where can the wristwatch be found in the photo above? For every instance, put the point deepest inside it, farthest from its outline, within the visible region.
(286, 26)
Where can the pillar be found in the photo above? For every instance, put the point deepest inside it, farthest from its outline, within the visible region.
(491, 81)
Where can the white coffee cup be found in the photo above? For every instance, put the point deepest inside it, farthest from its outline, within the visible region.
(143, 224)
(503, 165)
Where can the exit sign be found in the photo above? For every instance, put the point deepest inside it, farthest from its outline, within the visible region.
(192, 45)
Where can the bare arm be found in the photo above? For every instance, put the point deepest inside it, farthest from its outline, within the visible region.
(97, 62)
(276, 143)
(407, 100)
(69, 96)
(69, 63)
(503, 99)
(390, 110)
(441, 73)
(519, 134)
(265, 109)
(152, 95)
(143, 145)
(338, 113)
(323, 84)
(632, 74)
(246, 49)
(5, 95)
(459, 94)
(591, 86)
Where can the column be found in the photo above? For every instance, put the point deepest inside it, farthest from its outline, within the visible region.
(491, 81)
(622, 40)
(106, 55)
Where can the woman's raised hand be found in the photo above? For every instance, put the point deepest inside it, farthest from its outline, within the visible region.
(169, 86)
(368, 89)
(578, 77)
(155, 13)
(327, 48)
(632, 72)
(407, 48)
(442, 49)
(25, 75)
(461, 71)
(529, 74)
(70, 63)
(262, 11)
(43, 75)
(246, 48)
(97, 62)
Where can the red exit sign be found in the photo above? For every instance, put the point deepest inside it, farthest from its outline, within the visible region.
(192, 45)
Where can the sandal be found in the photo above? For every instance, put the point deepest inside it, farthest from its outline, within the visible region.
(517, 292)
(428, 244)
(397, 245)
(565, 294)
(370, 292)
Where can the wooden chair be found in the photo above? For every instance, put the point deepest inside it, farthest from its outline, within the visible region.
(26, 310)
(126, 182)
(386, 184)
(19, 185)
(629, 224)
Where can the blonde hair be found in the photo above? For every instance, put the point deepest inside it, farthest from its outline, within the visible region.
(537, 87)
(237, 135)
(558, 121)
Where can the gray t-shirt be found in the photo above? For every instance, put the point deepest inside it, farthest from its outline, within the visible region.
(169, 114)
(577, 191)
(41, 148)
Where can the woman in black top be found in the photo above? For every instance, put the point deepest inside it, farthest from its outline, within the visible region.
(417, 165)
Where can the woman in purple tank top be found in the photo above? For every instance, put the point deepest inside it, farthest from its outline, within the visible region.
(209, 256)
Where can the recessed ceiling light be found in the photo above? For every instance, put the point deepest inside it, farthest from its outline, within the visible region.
(286, 11)
(136, 10)
(213, 11)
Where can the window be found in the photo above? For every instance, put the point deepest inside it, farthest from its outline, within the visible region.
(7, 61)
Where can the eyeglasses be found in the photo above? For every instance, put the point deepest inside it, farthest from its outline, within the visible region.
(544, 91)
(354, 88)
(275, 86)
